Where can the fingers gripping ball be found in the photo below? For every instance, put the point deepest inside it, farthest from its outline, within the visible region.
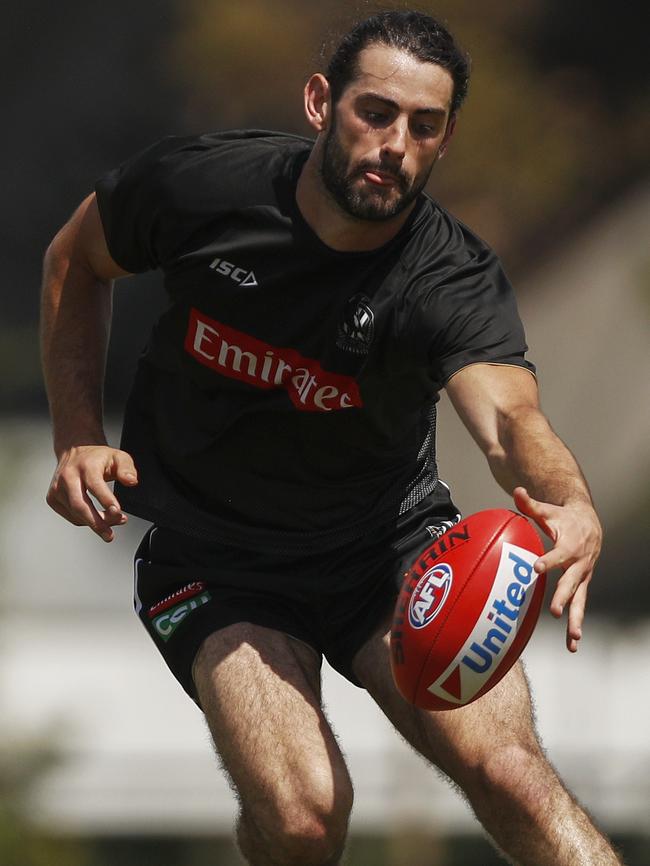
(467, 609)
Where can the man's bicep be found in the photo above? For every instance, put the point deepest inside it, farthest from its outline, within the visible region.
(81, 242)
(485, 395)
(91, 240)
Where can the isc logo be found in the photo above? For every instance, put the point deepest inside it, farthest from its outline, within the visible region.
(430, 594)
(239, 275)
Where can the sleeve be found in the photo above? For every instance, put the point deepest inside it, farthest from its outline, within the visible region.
(133, 203)
(471, 318)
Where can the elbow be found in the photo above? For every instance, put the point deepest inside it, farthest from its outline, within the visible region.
(515, 429)
(518, 420)
(497, 458)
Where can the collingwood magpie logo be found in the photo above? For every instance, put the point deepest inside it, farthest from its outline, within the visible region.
(357, 329)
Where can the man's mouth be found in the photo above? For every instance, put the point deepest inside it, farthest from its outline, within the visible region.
(383, 179)
(380, 178)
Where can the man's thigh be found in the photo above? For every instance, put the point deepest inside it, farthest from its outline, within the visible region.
(458, 741)
(260, 692)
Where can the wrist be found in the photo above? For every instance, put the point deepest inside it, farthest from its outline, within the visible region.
(66, 441)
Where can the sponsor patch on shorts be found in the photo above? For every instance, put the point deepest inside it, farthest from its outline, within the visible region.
(167, 622)
(187, 591)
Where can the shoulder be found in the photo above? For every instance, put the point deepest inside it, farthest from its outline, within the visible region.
(161, 196)
(455, 290)
(236, 146)
(187, 172)
(439, 244)
(236, 163)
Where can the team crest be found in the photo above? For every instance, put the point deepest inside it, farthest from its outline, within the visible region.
(357, 329)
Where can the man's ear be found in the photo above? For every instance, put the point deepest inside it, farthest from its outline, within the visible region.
(451, 126)
(318, 104)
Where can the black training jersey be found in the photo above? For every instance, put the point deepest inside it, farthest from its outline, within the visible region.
(286, 398)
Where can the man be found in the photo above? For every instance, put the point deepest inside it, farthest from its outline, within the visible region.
(280, 436)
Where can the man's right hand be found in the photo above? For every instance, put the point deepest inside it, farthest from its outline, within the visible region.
(85, 470)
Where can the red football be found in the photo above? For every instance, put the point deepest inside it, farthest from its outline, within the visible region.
(468, 605)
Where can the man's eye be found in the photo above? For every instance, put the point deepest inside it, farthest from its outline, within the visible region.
(375, 116)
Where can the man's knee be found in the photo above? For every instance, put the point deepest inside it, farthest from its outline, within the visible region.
(313, 838)
(516, 773)
(299, 828)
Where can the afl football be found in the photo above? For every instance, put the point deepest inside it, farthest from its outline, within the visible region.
(467, 608)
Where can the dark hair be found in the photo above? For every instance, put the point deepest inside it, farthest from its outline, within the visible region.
(414, 32)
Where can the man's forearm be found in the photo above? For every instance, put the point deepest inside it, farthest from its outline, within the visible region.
(500, 408)
(533, 456)
(75, 326)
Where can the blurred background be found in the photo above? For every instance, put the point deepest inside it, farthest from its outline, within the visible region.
(102, 758)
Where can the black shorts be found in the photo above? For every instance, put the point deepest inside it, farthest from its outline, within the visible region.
(186, 589)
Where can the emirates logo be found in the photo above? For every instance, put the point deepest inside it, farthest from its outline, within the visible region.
(237, 355)
(357, 329)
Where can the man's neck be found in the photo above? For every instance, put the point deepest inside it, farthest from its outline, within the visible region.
(334, 227)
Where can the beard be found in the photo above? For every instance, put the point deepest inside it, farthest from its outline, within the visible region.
(358, 200)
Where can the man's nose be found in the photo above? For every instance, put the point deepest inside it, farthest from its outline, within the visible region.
(394, 144)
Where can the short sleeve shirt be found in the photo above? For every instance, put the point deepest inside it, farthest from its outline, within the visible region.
(287, 395)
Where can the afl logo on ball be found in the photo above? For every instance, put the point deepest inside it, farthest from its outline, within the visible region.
(357, 329)
(430, 594)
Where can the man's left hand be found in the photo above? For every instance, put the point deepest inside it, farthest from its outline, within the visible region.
(577, 536)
